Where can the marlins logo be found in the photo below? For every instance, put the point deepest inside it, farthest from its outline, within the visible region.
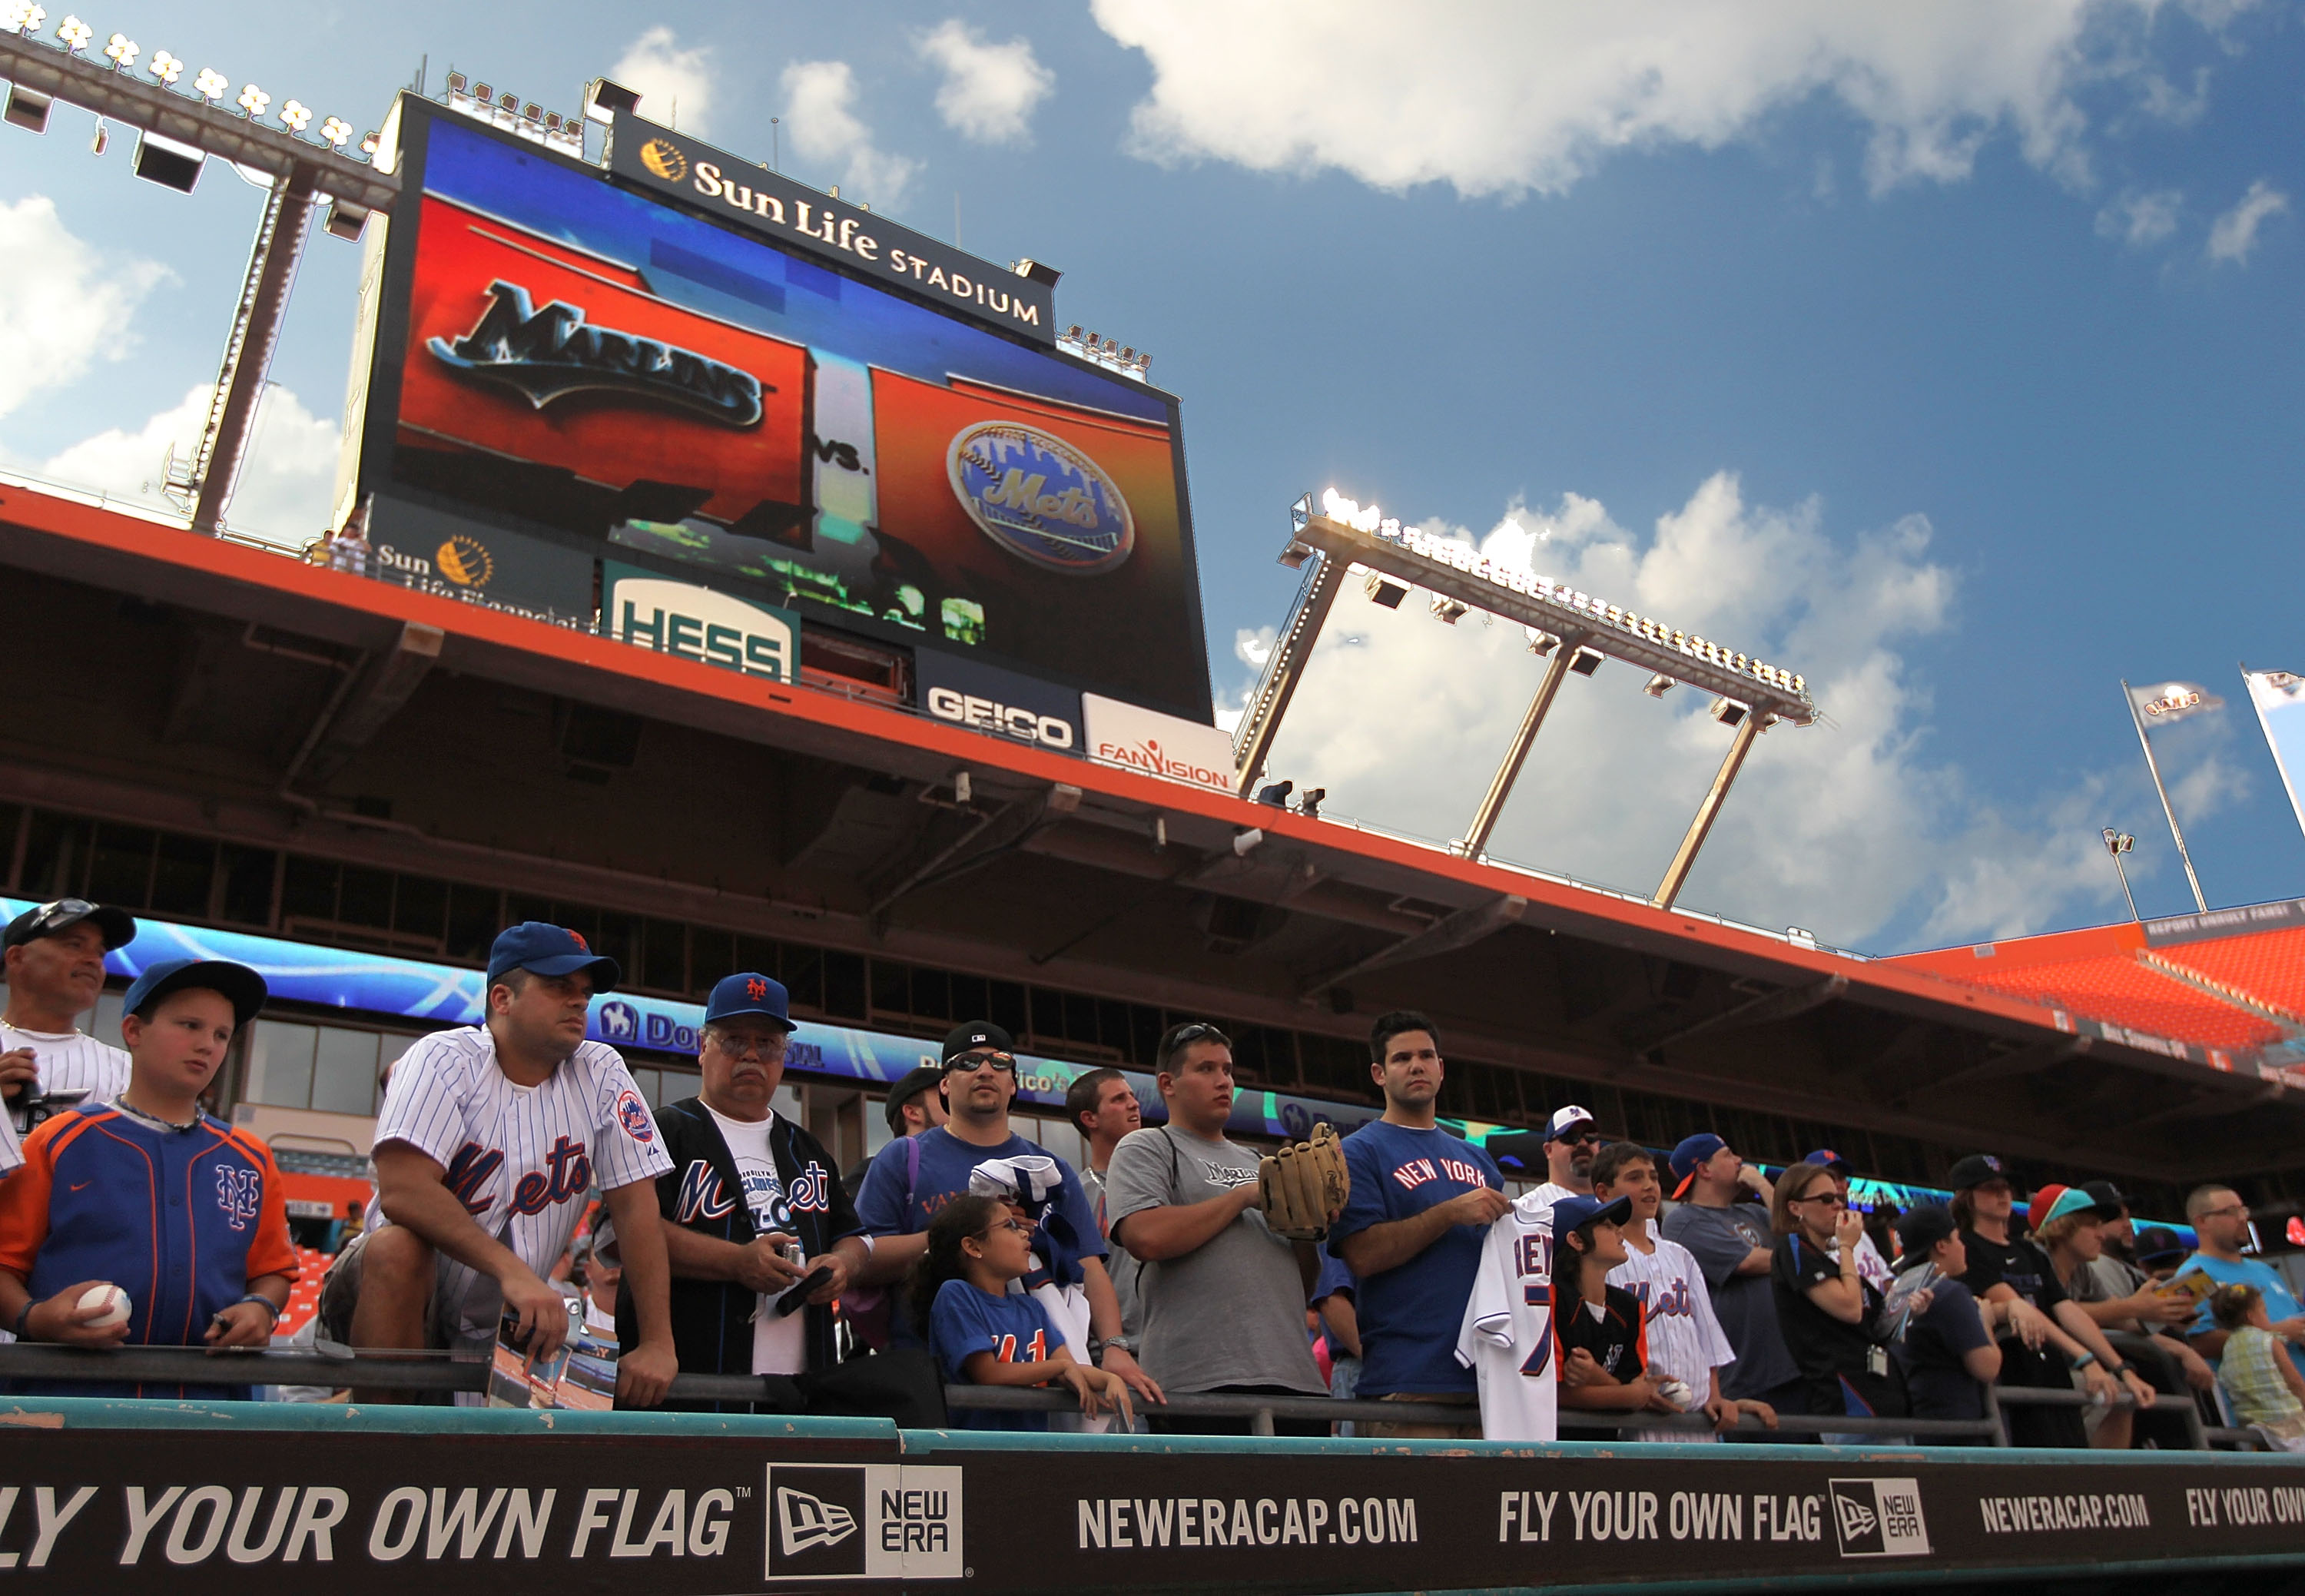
(663, 158)
(465, 561)
(1041, 499)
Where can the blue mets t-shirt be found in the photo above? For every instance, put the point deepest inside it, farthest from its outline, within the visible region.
(1409, 1316)
(963, 1321)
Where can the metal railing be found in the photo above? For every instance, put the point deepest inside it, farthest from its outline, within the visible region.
(338, 1368)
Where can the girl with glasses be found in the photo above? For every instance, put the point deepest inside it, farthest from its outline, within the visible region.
(983, 1334)
(1831, 1315)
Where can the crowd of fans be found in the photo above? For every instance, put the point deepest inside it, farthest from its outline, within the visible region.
(725, 1240)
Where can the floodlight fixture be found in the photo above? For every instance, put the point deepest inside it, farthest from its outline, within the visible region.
(336, 129)
(1448, 611)
(167, 162)
(1728, 711)
(164, 68)
(605, 100)
(211, 84)
(1585, 663)
(1658, 685)
(295, 117)
(26, 109)
(1541, 643)
(344, 220)
(457, 82)
(121, 51)
(252, 101)
(75, 34)
(1243, 841)
(21, 16)
(2118, 842)
(1382, 593)
(370, 142)
(103, 140)
(1041, 273)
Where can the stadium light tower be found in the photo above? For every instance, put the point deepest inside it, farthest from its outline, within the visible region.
(2117, 843)
(1577, 630)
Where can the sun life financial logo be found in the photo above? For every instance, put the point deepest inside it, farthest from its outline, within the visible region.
(696, 623)
(1041, 499)
(465, 561)
(1049, 730)
(663, 158)
(550, 353)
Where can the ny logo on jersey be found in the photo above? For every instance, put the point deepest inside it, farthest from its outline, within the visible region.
(470, 1172)
(240, 1193)
(812, 1190)
(566, 1174)
(702, 1195)
(1036, 1350)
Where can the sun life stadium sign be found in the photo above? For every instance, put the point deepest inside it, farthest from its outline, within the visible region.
(730, 189)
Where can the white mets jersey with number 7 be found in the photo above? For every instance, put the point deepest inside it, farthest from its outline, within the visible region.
(1506, 1339)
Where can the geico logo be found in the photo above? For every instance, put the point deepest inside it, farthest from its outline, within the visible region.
(695, 623)
(946, 704)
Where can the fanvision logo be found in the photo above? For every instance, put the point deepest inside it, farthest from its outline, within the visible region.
(1049, 730)
(550, 353)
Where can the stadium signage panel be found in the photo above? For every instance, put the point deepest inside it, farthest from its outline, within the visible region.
(970, 693)
(684, 1505)
(1158, 745)
(696, 623)
(453, 558)
(2225, 922)
(734, 189)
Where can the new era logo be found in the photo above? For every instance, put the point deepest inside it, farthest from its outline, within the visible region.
(804, 1521)
(1879, 1518)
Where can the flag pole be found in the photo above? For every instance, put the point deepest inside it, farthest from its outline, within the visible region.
(2154, 766)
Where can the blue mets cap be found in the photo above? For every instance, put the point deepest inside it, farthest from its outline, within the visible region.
(1571, 1212)
(1826, 1158)
(549, 950)
(239, 986)
(747, 992)
(1690, 1152)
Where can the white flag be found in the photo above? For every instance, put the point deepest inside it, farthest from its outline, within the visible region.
(2280, 700)
(2160, 703)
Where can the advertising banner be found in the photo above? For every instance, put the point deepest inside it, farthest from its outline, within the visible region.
(732, 190)
(649, 610)
(1158, 745)
(458, 558)
(970, 693)
(582, 354)
(692, 1505)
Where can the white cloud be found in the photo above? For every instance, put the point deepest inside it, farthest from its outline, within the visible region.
(989, 92)
(2235, 234)
(820, 100)
(1500, 97)
(285, 484)
(2139, 219)
(675, 85)
(68, 304)
(1840, 827)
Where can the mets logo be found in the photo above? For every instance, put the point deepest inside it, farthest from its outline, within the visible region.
(702, 1195)
(756, 989)
(578, 938)
(812, 1191)
(633, 1114)
(1041, 499)
(465, 561)
(240, 1193)
(664, 159)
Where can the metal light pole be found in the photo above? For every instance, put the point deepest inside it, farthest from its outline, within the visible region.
(2117, 843)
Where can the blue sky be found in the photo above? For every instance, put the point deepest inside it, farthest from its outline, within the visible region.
(1950, 355)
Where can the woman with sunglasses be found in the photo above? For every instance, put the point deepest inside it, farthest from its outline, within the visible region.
(983, 1334)
(1832, 1316)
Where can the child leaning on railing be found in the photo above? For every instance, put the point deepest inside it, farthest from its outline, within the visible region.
(2261, 1382)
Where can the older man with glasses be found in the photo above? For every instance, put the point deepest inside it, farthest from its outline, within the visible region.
(912, 1179)
(55, 964)
(752, 1206)
(2220, 1220)
(1572, 1142)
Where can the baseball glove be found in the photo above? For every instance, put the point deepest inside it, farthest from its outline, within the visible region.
(1301, 1188)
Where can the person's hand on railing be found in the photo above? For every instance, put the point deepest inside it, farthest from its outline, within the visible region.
(1099, 1388)
(2138, 1386)
(1119, 1360)
(2197, 1372)
(1727, 1412)
(540, 1313)
(61, 1318)
(644, 1374)
(243, 1324)
(2102, 1388)
(2031, 1323)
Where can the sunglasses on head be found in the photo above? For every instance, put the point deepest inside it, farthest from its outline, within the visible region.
(49, 915)
(1185, 1036)
(968, 1063)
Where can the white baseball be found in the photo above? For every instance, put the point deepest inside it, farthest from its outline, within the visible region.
(111, 1299)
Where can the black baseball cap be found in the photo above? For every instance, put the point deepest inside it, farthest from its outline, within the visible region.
(549, 950)
(972, 1034)
(1923, 1228)
(2107, 1197)
(1975, 1170)
(2157, 1244)
(240, 986)
(927, 1078)
(117, 925)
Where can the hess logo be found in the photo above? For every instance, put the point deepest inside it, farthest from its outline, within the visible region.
(1048, 730)
(664, 159)
(695, 623)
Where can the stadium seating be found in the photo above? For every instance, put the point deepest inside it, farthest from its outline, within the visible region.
(2120, 989)
(304, 1296)
(2268, 967)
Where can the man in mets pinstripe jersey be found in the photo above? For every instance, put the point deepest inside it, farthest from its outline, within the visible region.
(55, 964)
(149, 1195)
(490, 1137)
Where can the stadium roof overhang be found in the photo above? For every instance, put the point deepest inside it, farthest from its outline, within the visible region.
(167, 678)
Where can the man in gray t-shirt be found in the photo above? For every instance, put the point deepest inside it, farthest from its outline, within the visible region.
(1222, 1297)
(1731, 1243)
